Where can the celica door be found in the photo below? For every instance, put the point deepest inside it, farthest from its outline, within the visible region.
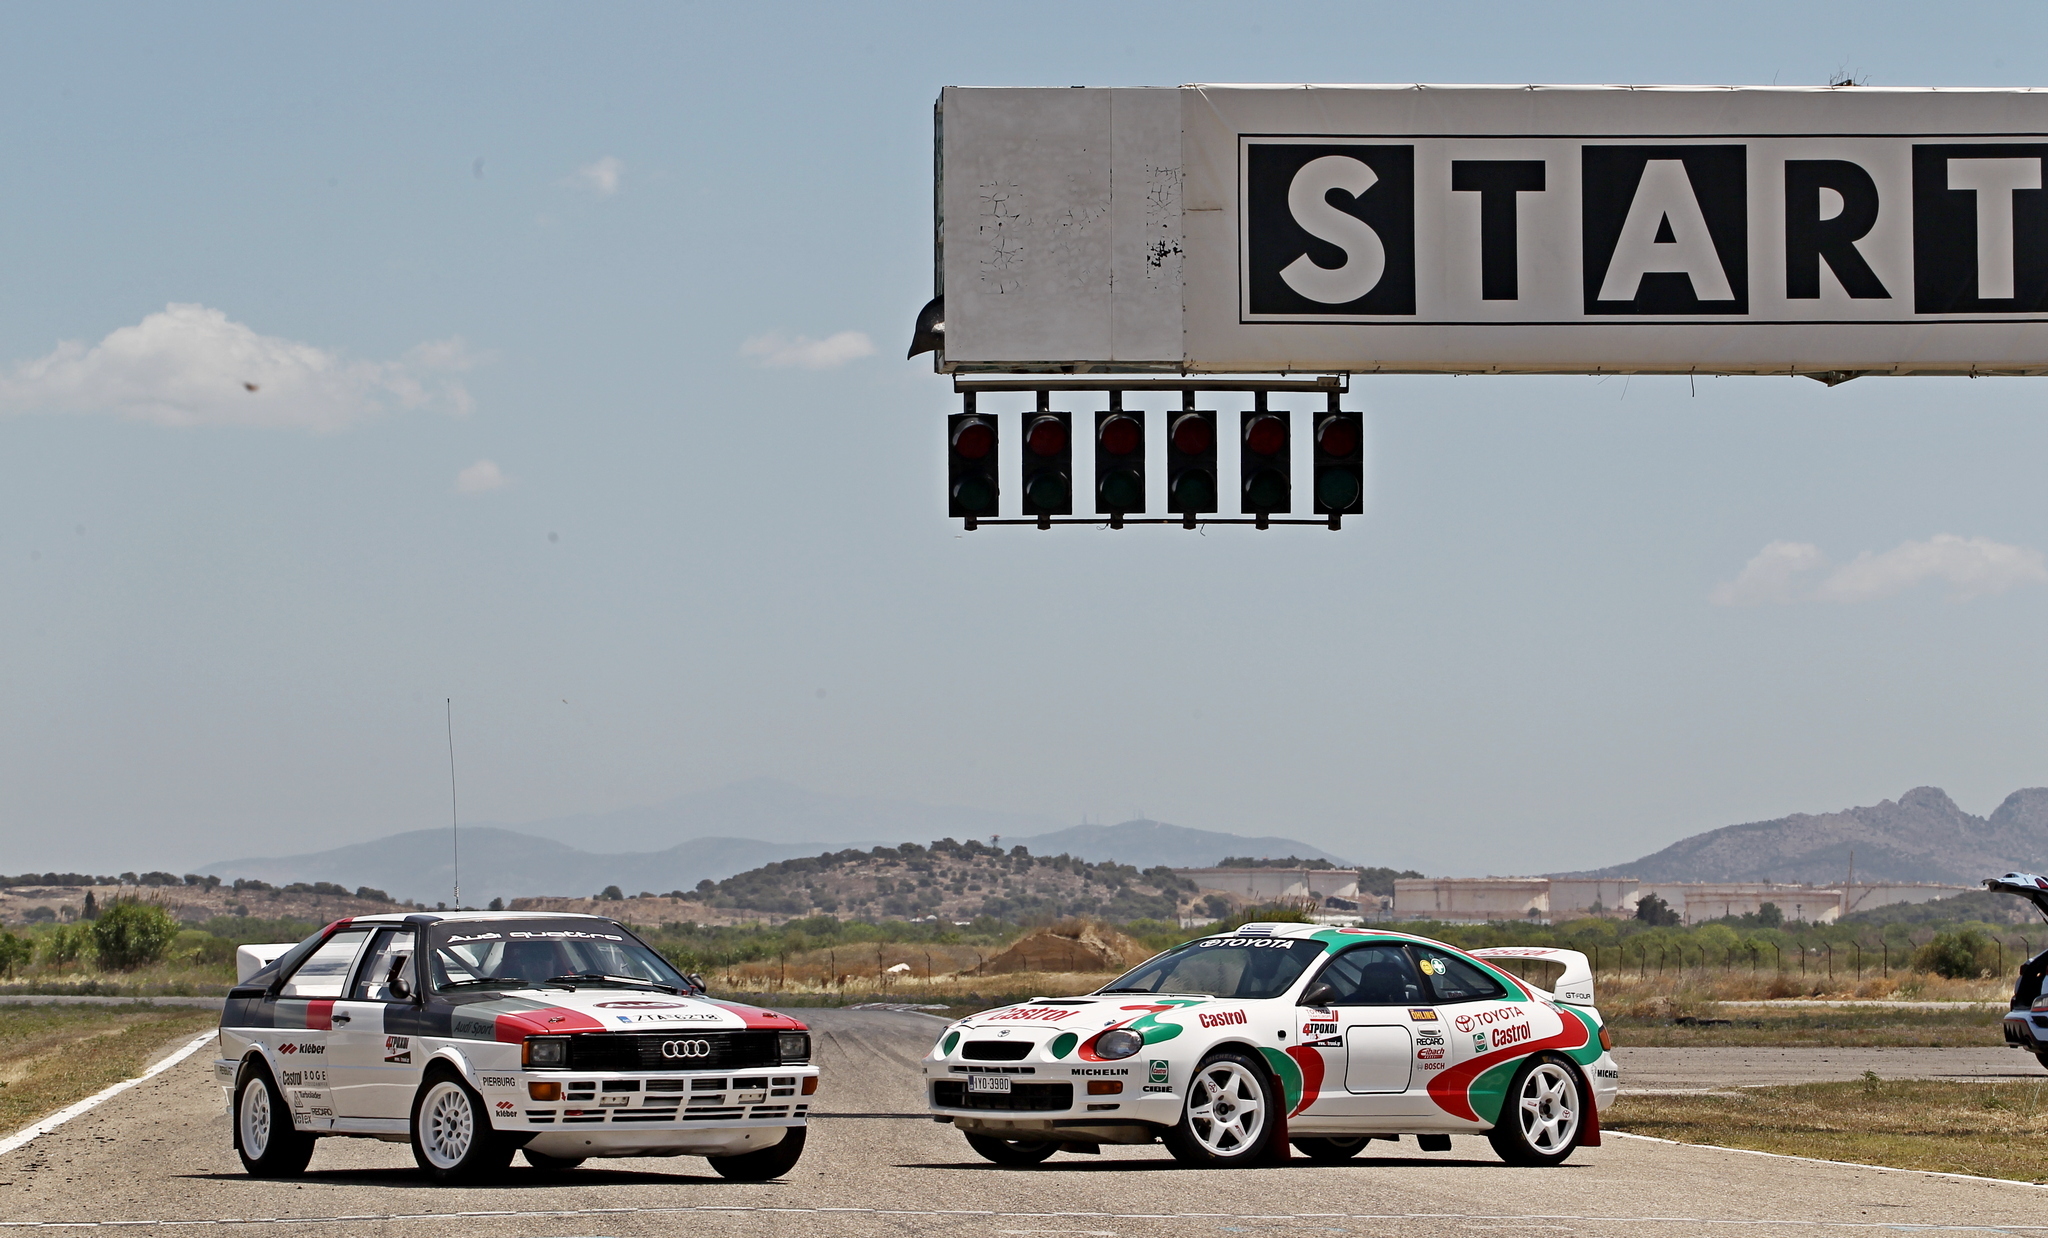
(1376, 995)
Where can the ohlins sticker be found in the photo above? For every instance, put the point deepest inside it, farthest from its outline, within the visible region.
(1418, 1014)
(398, 1049)
(1223, 1018)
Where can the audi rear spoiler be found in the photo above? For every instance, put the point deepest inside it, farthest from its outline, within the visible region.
(2026, 885)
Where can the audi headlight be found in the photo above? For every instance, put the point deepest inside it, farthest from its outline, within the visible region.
(793, 1047)
(1120, 1043)
(545, 1051)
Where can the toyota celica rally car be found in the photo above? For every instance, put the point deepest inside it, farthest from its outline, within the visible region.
(1231, 1047)
(473, 1035)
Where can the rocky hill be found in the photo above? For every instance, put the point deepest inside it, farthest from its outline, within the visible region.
(1921, 836)
(947, 880)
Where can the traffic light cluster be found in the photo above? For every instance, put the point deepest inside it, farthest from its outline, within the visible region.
(1265, 468)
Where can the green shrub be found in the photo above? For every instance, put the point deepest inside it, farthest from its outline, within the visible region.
(15, 953)
(130, 934)
(1959, 954)
(66, 943)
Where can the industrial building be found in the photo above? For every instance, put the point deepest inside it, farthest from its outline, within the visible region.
(1477, 899)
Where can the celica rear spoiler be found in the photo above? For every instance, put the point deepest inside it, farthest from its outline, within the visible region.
(1574, 985)
(2026, 885)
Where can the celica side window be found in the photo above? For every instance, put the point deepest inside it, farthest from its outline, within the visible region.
(1455, 980)
(326, 969)
(1373, 976)
(1249, 968)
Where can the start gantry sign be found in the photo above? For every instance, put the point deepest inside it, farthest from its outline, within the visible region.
(1493, 229)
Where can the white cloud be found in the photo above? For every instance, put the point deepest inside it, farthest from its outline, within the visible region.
(781, 352)
(192, 366)
(1974, 566)
(1773, 576)
(600, 178)
(481, 476)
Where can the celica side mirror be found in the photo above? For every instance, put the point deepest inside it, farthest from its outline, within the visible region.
(1317, 994)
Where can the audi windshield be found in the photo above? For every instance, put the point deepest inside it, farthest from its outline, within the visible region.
(520, 954)
(1240, 967)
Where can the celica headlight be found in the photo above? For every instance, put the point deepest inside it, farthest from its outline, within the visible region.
(1120, 1043)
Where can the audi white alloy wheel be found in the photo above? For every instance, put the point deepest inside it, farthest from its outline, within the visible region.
(1229, 1114)
(255, 1117)
(1542, 1115)
(270, 1147)
(447, 1125)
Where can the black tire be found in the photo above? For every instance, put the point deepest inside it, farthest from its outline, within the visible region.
(452, 1139)
(770, 1162)
(2042, 1057)
(550, 1164)
(1544, 1113)
(270, 1147)
(1011, 1151)
(1331, 1150)
(1230, 1114)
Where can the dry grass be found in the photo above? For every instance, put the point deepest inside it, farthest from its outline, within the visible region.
(1994, 1130)
(51, 1056)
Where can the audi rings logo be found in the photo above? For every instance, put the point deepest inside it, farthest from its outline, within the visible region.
(678, 1049)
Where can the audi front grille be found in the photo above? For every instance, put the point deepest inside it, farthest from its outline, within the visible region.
(681, 1051)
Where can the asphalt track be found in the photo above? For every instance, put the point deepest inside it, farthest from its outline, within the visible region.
(156, 1159)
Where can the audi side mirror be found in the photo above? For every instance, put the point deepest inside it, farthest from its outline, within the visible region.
(396, 983)
(1317, 994)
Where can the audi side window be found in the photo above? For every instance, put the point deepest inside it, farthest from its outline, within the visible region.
(1373, 976)
(1455, 980)
(324, 971)
(390, 957)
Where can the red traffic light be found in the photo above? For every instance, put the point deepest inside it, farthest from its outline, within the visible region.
(1119, 436)
(1192, 434)
(1266, 436)
(1046, 436)
(1338, 437)
(974, 440)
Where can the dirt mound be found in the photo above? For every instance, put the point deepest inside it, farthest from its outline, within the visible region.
(1073, 946)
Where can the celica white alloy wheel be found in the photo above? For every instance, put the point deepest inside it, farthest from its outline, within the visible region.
(447, 1125)
(1229, 1115)
(1541, 1117)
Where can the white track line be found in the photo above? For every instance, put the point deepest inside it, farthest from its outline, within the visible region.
(958, 1214)
(1815, 1160)
(62, 1116)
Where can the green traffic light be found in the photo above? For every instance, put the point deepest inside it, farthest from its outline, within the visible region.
(1194, 490)
(1266, 492)
(976, 495)
(1047, 491)
(1122, 490)
(1337, 489)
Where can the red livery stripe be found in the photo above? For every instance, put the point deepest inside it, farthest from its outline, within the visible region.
(320, 1015)
(548, 1020)
(1451, 1089)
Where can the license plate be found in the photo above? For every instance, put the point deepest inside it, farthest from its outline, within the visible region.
(999, 1084)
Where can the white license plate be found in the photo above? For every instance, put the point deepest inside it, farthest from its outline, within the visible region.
(999, 1084)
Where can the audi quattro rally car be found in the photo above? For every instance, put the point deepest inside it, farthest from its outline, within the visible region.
(477, 1034)
(1235, 1045)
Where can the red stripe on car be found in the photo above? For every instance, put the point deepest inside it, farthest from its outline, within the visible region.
(513, 1028)
(320, 1015)
(1451, 1089)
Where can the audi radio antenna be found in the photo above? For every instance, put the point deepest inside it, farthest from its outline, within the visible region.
(454, 817)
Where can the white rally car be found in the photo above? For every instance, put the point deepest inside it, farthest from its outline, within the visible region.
(1234, 1046)
(473, 1035)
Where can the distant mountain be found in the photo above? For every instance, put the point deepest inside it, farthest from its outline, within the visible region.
(736, 828)
(501, 863)
(778, 812)
(1921, 836)
(1148, 843)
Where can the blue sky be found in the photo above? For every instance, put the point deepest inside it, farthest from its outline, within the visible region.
(527, 246)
